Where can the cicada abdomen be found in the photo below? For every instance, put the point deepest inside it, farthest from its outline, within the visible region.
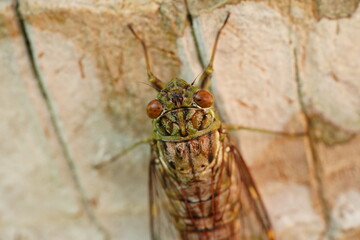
(200, 187)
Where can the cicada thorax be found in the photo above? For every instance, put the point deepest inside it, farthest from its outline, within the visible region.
(184, 122)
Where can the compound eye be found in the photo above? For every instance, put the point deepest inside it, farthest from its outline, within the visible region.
(154, 109)
(204, 98)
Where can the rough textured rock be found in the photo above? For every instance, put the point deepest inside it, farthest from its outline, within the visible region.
(74, 96)
(38, 198)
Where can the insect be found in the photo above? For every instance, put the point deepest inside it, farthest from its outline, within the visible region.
(200, 187)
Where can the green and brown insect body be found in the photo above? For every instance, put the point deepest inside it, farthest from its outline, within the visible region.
(190, 148)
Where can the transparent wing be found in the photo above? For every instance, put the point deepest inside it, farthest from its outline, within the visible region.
(161, 225)
(254, 220)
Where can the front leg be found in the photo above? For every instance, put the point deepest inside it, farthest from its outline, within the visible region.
(233, 127)
(122, 153)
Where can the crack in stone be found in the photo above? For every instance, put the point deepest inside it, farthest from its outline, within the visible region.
(56, 123)
(196, 33)
(311, 139)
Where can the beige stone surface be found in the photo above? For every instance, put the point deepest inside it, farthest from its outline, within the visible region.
(38, 198)
(281, 66)
(331, 73)
(331, 93)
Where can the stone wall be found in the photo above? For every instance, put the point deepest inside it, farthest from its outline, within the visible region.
(74, 90)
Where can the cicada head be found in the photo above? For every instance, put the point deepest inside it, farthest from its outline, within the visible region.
(178, 94)
(182, 110)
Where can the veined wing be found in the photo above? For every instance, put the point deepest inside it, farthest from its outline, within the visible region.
(254, 220)
(161, 225)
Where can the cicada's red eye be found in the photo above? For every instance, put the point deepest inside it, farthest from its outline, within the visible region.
(204, 98)
(154, 108)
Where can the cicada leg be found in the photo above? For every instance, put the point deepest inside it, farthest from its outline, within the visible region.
(154, 81)
(122, 153)
(231, 127)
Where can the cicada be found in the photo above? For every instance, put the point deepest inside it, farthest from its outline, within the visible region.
(200, 187)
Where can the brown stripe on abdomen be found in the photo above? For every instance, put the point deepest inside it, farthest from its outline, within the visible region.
(226, 231)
